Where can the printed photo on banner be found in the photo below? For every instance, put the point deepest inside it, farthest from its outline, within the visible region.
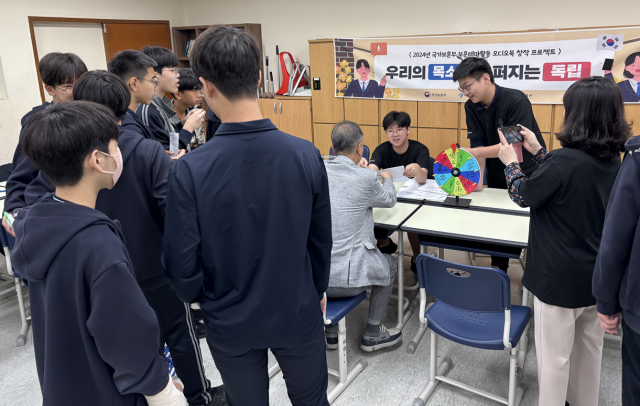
(542, 64)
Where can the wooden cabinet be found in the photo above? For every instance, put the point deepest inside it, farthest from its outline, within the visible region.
(361, 111)
(632, 112)
(292, 116)
(558, 119)
(463, 117)
(322, 137)
(437, 139)
(543, 114)
(327, 107)
(437, 115)
(462, 138)
(371, 138)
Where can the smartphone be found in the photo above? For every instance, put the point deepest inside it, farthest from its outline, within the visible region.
(9, 219)
(512, 134)
(608, 64)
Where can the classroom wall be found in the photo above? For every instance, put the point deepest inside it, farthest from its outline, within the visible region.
(291, 24)
(16, 52)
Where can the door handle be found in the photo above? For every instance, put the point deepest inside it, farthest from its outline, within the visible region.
(280, 108)
(274, 108)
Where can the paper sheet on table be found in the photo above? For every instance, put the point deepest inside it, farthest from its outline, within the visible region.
(397, 174)
(428, 191)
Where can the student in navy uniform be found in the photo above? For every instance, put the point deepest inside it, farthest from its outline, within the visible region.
(95, 337)
(137, 201)
(617, 275)
(187, 98)
(365, 87)
(213, 123)
(251, 186)
(137, 71)
(489, 107)
(159, 115)
(59, 73)
(401, 151)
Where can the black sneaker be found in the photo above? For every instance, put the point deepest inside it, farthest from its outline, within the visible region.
(332, 340)
(386, 338)
(389, 248)
(414, 267)
(201, 330)
(218, 397)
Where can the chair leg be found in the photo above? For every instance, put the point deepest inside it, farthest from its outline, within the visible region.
(472, 258)
(413, 344)
(441, 253)
(524, 339)
(434, 371)
(403, 317)
(516, 392)
(22, 337)
(345, 377)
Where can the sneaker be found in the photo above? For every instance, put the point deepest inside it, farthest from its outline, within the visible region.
(332, 340)
(201, 330)
(389, 248)
(218, 397)
(387, 338)
(167, 355)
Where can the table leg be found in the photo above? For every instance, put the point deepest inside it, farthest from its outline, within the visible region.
(402, 316)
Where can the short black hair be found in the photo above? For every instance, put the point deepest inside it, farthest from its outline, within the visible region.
(630, 59)
(362, 62)
(228, 58)
(594, 118)
(130, 63)
(402, 119)
(58, 69)
(188, 81)
(472, 66)
(59, 138)
(105, 88)
(165, 58)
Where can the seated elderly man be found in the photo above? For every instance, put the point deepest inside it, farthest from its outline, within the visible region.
(356, 262)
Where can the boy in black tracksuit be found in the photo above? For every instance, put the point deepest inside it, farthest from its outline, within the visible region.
(59, 72)
(95, 336)
(137, 201)
(159, 115)
(617, 275)
(489, 107)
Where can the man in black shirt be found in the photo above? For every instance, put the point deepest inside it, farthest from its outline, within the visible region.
(401, 151)
(488, 108)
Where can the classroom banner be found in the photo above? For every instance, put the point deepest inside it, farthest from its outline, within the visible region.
(543, 64)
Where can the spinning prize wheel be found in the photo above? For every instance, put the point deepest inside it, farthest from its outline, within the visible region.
(456, 172)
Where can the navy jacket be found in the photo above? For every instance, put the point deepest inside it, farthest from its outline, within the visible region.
(23, 171)
(372, 90)
(213, 123)
(137, 201)
(154, 120)
(95, 337)
(248, 235)
(617, 272)
(133, 122)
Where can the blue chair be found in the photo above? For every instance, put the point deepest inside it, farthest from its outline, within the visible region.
(365, 152)
(473, 308)
(337, 310)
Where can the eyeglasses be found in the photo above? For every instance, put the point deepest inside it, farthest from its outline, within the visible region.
(174, 70)
(396, 131)
(68, 90)
(467, 87)
(154, 81)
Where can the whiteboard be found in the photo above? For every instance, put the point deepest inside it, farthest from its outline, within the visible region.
(82, 39)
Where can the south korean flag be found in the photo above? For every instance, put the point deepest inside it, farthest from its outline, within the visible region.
(609, 42)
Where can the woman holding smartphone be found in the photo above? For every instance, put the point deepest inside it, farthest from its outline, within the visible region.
(568, 195)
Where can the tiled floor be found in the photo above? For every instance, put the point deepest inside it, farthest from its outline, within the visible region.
(392, 377)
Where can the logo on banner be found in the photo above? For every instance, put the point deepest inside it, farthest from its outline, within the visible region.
(427, 94)
(610, 42)
(565, 71)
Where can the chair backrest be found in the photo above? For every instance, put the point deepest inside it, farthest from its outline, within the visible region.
(365, 153)
(477, 289)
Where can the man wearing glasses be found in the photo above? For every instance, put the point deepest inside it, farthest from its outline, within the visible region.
(400, 151)
(488, 108)
(59, 73)
(159, 116)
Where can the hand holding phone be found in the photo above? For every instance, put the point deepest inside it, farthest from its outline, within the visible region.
(512, 134)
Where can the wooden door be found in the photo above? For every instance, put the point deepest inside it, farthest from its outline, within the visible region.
(436, 139)
(295, 118)
(326, 106)
(121, 36)
(361, 111)
(437, 115)
(268, 110)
